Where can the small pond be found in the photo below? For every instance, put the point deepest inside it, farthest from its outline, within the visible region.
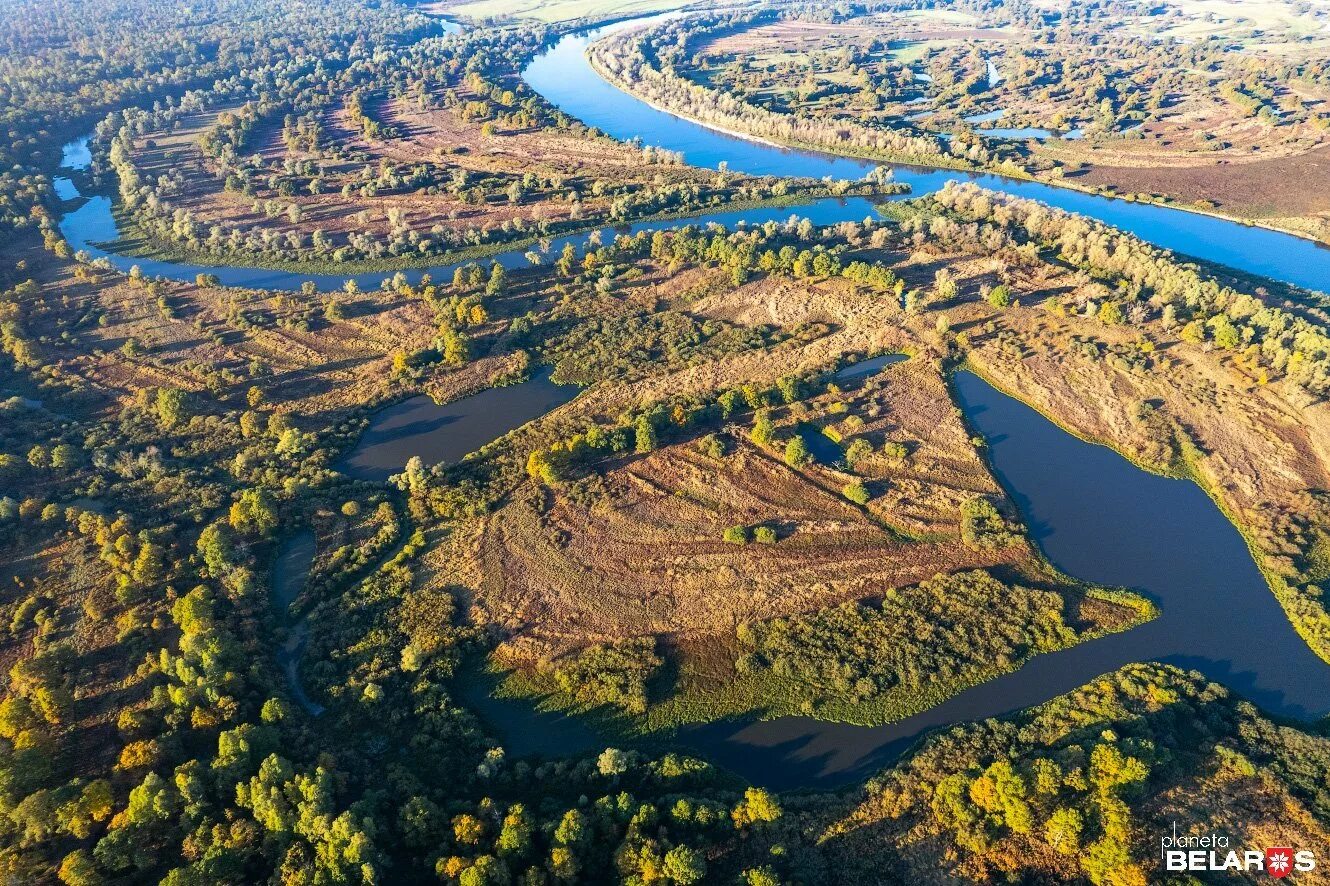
(446, 433)
(865, 368)
(1021, 133)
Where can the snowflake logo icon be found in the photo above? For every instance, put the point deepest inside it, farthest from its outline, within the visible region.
(1278, 861)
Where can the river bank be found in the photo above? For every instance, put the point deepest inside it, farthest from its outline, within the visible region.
(1096, 184)
(566, 77)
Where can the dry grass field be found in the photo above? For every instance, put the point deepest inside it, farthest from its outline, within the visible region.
(433, 137)
(647, 557)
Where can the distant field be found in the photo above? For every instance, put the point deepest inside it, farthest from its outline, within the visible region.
(937, 17)
(1261, 13)
(561, 10)
(1259, 24)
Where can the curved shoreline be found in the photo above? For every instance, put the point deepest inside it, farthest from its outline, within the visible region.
(269, 276)
(1190, 475)
(780, 146)
(822, 149)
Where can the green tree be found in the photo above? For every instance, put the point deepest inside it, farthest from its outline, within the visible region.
(712, 446)
(1225, 333)
(79, 869)
(170, 407)
(612, 761)
(796, 452)
(485, 871)
(1063, 830)
(498, 277)
(685, 865)
(857, 451)
(758, 805)
(274, 710)
(217, 548)
(856, 492)
(645, 432)
(516, 832)
(789, 387)
(761, 876)
(254, 512)
(763, 430)
(1000, 791)
(455, 345)
(38, 457)
(65, 457)
(574, 828)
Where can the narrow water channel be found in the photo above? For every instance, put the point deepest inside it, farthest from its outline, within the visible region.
(91, 228)
(290, 570)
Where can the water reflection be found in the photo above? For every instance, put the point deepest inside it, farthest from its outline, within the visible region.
(445, 433)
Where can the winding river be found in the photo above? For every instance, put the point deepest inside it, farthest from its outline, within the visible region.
(92, 226)
(1093, 513)
(565, 78)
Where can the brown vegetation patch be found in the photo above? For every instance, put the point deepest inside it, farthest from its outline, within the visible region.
(649, 558)
(1289, 191)
(641, 552)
